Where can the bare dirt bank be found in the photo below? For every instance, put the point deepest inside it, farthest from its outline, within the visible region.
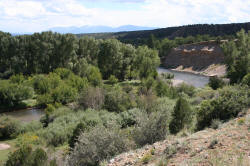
(205, 58)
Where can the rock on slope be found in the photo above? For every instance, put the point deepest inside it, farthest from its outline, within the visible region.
(205, 58)
(228, 145)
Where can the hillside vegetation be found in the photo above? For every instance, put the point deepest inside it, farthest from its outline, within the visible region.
(140, 37)
(102, 98)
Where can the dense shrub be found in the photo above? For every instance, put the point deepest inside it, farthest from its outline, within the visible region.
(11, 94)
(116, 100)
(41, 84)
(9, 128)
(163, 88)
(77, 82)
(96, 145)
(80, 128)
(93, 97)
(60, 130)
(230, 101)
(181, 117)
(130, 117)
(246, 80)
(94, 76)
(25, 156)
(19, 156)
(18, 78)
(166, 75)
(113, 79)
(44, 100)
(151, 129)
(187, 89)
(62, 123)
(64, 94)
(63, 73)
(215, 82)
(147, 86)
(31, 126)
(147, 102)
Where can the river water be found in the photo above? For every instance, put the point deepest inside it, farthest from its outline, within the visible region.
(26, 115)
(196, 80)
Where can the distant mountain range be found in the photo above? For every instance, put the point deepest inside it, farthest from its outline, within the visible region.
(99, 29)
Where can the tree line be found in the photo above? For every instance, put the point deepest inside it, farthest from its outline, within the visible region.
(46, 51)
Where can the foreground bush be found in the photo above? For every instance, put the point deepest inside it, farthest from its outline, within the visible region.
(96, 145)
(151, 129)
(9, 128)
(230, 101)
(25, 156)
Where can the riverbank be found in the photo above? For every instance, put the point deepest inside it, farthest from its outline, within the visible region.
(212, 70)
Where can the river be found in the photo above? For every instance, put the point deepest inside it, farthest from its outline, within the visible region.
(26, 115)
(196, 80)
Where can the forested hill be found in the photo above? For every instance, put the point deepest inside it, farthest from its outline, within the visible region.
(173, 32)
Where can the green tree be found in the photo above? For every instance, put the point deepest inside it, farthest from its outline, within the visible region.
(237, 54)
(181, 116)
(146, 62)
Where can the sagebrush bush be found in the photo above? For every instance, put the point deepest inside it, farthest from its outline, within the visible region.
(9, 128)
(215, 124)
(31, 126)
(80, 128)
(96, 145)
(130, 117)
(150, 129)
(60, 130)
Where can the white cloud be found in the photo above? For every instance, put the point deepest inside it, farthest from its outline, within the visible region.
(36, 15)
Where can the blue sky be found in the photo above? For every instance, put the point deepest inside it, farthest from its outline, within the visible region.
(39, 15)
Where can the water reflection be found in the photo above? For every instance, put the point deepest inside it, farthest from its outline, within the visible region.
(196, 80)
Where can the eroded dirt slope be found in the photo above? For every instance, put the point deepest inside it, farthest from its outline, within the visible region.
(204, 58)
